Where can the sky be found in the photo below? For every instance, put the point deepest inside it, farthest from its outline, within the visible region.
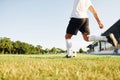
(44, 22)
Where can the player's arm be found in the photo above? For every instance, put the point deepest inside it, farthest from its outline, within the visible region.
(94, 12)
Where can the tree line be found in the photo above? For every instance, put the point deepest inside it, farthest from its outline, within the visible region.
(17, 47)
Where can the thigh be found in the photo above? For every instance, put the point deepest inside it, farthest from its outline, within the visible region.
(84, 28)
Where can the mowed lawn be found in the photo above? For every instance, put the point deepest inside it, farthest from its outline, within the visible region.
(56, 67)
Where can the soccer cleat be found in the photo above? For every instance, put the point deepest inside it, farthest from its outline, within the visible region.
(67, 56)
(111, 39)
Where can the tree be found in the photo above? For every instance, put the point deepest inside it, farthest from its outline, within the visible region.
(47, 50)
(60, 50)
(32, 49)
(18, 47)
(54, 50)
(81, 50)
(38, 48)
(10, 47)
(6, 45)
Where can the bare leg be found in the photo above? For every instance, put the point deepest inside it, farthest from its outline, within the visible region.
(68, 36)
(111, 39)
(85, 37)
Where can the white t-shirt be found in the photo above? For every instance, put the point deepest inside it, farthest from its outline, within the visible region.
(80, 8)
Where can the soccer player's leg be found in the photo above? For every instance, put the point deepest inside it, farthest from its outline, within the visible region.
(111, 39)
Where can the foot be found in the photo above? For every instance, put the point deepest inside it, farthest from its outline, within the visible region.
(67, 56)
(111, 39)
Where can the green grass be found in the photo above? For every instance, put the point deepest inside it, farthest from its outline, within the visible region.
(56, 67)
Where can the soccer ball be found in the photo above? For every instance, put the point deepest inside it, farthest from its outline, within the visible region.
(74, 54)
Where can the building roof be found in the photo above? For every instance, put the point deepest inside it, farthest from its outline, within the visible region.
(115, 29)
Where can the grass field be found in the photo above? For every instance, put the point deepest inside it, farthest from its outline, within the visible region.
(56, 67)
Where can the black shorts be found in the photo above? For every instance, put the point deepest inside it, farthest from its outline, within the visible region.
(76, 25)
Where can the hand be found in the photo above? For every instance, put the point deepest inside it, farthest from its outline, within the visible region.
(101, 25)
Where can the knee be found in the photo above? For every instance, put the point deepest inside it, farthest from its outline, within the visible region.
(68, 36)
